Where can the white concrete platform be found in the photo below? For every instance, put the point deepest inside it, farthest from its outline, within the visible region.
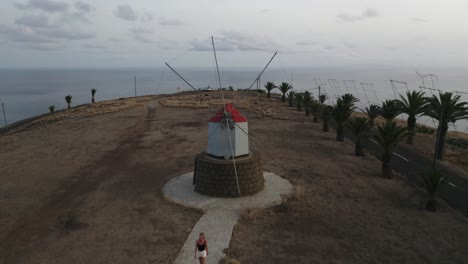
(221, 213)
(181, 190)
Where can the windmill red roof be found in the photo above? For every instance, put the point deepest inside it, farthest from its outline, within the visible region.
(236, 115)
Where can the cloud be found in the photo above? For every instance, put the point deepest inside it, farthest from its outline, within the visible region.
(23, 35)
(263, 11)
(198, 45)
(328, 47)
(306, 43)
(41, 38)
(170, 22)
(370, 13)
(115, 40)
(143, 35)
(44, 46)
(83, 7)
(419, 20)
(347, 17)
(125, 12)
(50, 6)
(33, 21)
(64, 33)
(146, 17)
(92, 46)
(349, 45)
(236, 41)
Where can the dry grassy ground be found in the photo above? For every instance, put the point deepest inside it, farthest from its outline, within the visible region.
(107, 168)
(108, 171)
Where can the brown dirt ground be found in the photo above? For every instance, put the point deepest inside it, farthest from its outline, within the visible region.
(108, 168)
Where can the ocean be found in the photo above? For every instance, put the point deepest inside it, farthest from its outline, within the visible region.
(29, 92)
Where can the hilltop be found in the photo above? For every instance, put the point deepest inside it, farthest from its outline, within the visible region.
(84, 185)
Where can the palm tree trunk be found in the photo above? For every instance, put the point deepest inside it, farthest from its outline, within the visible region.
(431, 204)
(325, 127)
(411, 123)
(283, 98)
(315, 119)
(358, 148)
(268, 94)
(440, 144)
(339, 132)
(290, 102)
(299, 108)
(307, 112)
(386, 168)
(68, 106)
(92, 100)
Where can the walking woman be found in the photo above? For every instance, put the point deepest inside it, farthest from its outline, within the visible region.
(201, 249)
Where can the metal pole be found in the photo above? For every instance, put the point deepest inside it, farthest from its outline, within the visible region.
(181, 77)
(263, 70)
(319, 93)
(4, 116)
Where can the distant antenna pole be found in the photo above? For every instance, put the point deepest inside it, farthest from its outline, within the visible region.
(181, 77)
(4, 115)
(430, 89)
(319, 93)
(134, 78)
(292, 80)
(364, 90)
(262, 70)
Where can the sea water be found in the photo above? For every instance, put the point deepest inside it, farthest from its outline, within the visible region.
(29, 92)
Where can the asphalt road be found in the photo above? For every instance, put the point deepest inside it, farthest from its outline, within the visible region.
(411, 164)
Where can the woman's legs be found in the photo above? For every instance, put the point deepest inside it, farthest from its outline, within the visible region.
(202, 260)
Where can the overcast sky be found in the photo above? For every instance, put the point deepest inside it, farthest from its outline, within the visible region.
(145, 33)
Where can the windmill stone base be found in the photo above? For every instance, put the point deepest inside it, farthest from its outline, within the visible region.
(216, 177)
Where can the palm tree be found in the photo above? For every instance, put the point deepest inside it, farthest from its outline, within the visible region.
(412, 105)
(325, 114)
(447, 108)
(307, 100)
(360, 126)
(342, 110)
(68, 98)
(372, 112)
(284, 88)
(291, 98)
(432, 180)
(349, 99)
(390, 109)
(323, 98)
(269, 86)
(315, 109)
(299, 97)
(388, 135)
(52, 108)
(93, 92)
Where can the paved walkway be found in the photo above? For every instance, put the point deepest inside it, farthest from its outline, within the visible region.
(221, 213)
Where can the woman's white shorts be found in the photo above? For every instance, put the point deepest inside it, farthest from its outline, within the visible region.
(201, 254)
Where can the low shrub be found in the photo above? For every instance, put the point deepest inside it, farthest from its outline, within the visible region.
(424, 130)
(458, 142)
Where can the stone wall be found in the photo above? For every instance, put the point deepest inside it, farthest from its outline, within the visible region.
(216, 177)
